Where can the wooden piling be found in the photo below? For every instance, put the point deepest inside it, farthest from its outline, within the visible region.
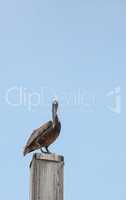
(46, 177)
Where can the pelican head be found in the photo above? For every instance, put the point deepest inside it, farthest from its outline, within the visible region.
(55, 105)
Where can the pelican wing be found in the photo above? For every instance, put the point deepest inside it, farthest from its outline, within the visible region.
(39, 132)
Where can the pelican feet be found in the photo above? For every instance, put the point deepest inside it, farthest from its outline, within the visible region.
(46, 152)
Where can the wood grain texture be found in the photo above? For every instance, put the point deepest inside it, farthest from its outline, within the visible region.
(46, 177)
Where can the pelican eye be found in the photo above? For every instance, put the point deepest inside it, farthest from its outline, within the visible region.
(55, 102)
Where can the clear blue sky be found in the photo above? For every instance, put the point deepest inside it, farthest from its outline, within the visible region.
(75, 50)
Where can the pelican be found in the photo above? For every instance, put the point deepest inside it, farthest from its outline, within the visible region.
(46, 134)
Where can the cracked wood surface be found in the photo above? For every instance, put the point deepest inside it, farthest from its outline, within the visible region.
(46, 177)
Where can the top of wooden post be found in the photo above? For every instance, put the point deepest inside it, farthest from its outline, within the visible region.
(47, 157)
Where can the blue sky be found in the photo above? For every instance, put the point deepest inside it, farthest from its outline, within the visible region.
(74, 50)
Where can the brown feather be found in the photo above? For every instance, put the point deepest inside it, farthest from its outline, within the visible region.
(43, 136)
(32, 143)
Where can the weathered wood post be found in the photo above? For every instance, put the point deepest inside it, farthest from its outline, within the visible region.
(46, 177)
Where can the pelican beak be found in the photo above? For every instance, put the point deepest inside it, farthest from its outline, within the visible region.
(54, 109)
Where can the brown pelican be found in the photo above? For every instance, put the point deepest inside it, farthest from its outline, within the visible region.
(46, 134)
